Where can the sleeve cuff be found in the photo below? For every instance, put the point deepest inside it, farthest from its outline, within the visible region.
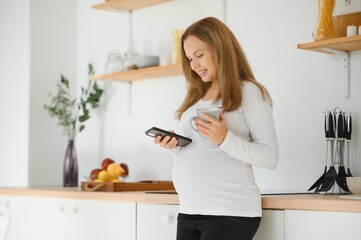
(226, 140)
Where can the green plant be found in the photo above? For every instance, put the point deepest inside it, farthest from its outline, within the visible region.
(73, 112)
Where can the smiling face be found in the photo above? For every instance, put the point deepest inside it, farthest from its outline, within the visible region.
(200, 58)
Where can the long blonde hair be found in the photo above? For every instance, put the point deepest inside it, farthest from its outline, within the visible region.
(232, 66)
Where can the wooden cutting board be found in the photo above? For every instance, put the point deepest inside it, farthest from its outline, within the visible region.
(127, 186)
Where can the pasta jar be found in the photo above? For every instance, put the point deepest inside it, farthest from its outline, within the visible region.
(325, 25)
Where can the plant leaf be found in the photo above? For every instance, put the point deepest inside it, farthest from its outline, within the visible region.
(83, 118)
(65, 81)
(72, 111)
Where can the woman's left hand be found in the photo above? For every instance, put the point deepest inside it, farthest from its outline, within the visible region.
(212, 129)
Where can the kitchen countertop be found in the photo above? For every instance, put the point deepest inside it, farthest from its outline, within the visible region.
(317, 202)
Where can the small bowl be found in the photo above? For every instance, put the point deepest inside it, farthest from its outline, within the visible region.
(144, 61)
(354, 184)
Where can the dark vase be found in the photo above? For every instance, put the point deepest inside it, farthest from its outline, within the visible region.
(70, 177)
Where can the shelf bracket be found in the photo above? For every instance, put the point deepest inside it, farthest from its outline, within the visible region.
(346, 66)
(130, 98)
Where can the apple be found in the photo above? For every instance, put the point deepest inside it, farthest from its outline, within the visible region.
(126, 169)
(94, 174)
(106, 162)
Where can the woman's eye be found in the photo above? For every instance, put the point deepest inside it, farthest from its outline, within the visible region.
(200, 55)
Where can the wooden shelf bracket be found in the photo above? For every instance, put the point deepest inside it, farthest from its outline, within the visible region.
(346, 66)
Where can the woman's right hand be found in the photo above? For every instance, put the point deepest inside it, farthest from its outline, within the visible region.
(167, 142)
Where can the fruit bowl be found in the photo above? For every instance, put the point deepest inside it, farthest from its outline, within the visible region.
(354, 184)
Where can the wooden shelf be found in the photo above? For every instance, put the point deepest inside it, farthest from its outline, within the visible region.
(342, 46)
(351, 43)
(138, 74)
(142, 74)
(127, 5)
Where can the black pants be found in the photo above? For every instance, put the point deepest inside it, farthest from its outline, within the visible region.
(203, 227)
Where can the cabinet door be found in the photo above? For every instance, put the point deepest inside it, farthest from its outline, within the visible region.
(300, 225)
(272, 225)
(46, 219)
(156, 221)
(105, 220)
(15, 208)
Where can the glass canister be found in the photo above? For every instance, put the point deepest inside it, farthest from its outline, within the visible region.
(325, 25)
(130, 59)
(115, 62)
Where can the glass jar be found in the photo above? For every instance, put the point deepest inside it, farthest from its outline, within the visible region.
(130, 59)
(115, 62)
(325, 25)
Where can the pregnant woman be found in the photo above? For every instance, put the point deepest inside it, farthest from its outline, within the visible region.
(213, 175)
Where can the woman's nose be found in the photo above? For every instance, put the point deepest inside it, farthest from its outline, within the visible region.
(195, 64)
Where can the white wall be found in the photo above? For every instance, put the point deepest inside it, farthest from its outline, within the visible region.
(303, 84)
(14, 92)
(53, 52)
(37, 43)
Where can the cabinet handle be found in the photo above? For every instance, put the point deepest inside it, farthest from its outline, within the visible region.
(167, 218)
(75, 210)
(62, 209)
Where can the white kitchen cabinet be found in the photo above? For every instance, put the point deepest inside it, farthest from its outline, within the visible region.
(315, 225)
(46, 218)
(15, 208)
(272, 226)
(61, 219)
(105, 220)
(156, 221)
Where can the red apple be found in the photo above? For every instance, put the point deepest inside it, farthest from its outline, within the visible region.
(125, 167)
(94, 174)
(106, 162)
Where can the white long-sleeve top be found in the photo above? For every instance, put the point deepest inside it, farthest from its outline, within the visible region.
(219, 180)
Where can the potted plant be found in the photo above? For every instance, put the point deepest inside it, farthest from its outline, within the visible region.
(72, 113)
